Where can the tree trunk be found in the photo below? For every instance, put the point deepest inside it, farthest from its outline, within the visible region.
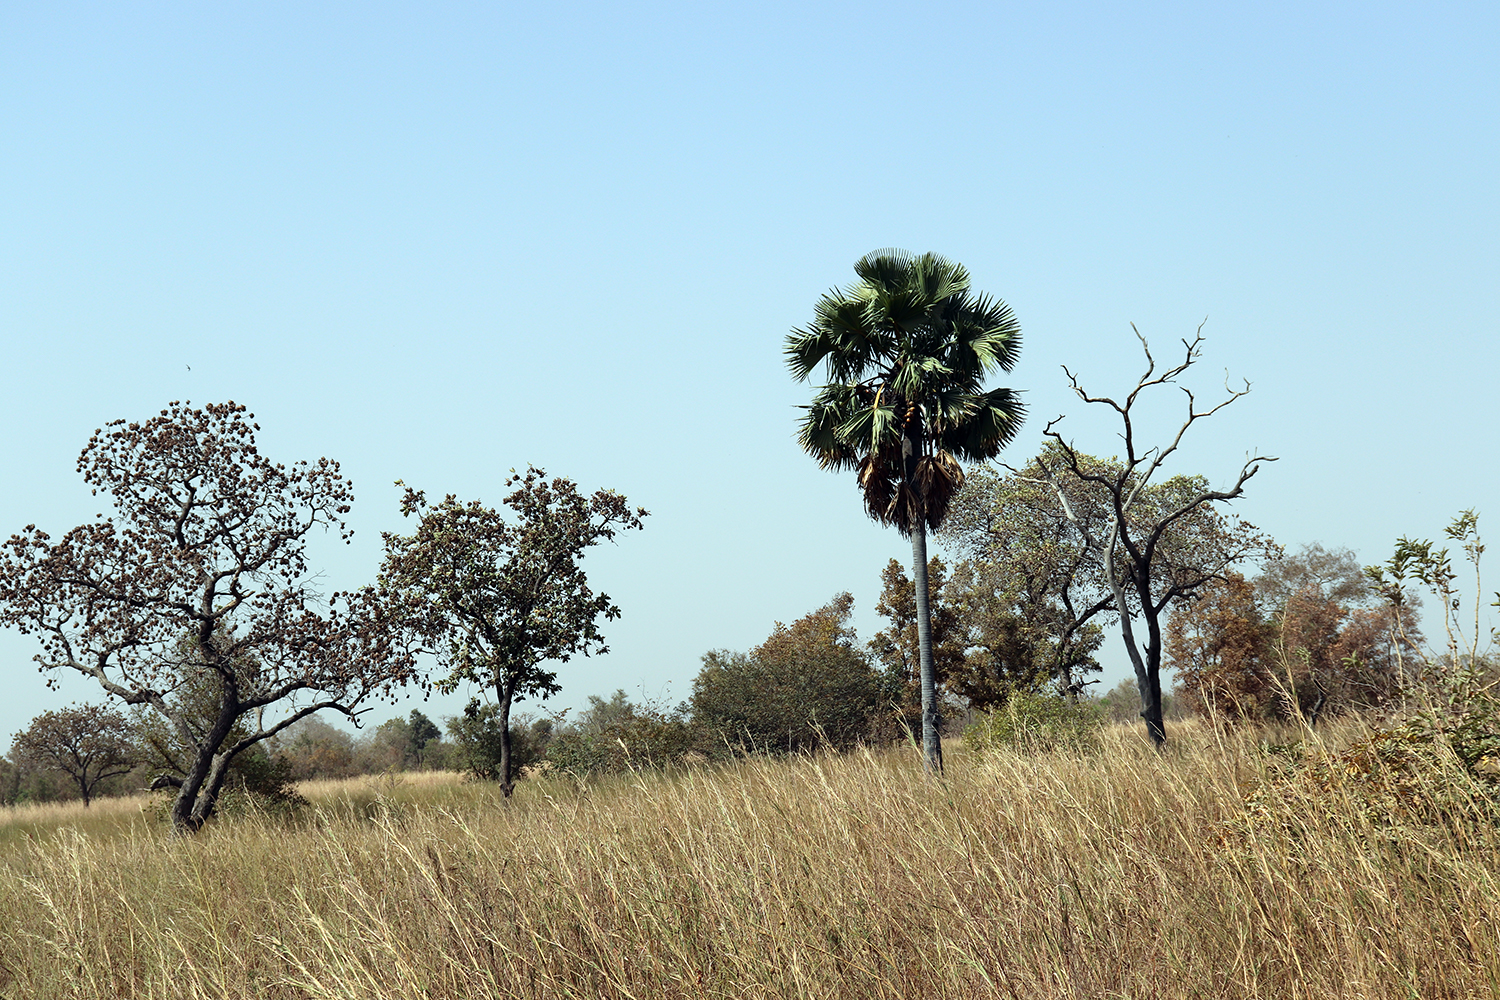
(502, 697)
(199, 793)
(1151, 707)
(1147, 670)
(932, 740)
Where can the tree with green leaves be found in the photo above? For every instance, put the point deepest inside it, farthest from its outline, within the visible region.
(498, 598)
(88, 743)
(1027, 585)
(907, 349)
(808, 685)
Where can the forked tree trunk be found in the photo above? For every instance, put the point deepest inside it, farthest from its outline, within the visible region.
(932, 739)
(198, 792)
(1147, 678)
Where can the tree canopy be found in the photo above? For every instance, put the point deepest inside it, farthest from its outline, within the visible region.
(808, 685)
(88, 743)
(200, 575)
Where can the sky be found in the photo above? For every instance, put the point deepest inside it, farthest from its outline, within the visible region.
(438, 242)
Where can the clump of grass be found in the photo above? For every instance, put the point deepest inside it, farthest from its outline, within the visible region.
(1121, 873)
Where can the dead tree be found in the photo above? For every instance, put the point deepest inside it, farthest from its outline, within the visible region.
(1155, 545)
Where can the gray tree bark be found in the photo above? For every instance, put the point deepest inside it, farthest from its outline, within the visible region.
(932, 735)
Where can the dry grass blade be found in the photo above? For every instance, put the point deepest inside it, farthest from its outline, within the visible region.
(1126, 873)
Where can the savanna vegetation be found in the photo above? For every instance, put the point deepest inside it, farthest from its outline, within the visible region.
(1320, 820)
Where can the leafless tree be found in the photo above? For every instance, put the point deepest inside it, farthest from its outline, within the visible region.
(1154, 549)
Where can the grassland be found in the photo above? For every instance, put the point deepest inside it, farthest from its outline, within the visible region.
(1122, 874)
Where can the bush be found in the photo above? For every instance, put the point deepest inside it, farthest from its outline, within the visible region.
(1037, 723)
(475, 744)
(808, 685)
(645, 739)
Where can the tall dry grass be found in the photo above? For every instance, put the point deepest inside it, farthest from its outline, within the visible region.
(1125, 874)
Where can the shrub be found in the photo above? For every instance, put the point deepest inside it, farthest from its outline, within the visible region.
(645, 739)
(1037, 723)
(808, 685)
(476, 743)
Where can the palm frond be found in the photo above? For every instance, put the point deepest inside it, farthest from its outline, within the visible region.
(907, 348)
(986, 336)
(885, 268)
(996, 416)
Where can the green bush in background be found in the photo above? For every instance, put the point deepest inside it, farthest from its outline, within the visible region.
(1037, 723)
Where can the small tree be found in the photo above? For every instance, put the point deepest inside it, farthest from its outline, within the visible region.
(1308, 638)
(500, 598)
(200, 578)
(422, 732)
(88, 743)
(1129, 544)
(897, 648)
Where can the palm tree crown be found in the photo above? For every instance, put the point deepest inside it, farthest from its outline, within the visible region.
(907, 349)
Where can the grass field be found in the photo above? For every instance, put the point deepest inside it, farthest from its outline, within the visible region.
(1123, 874)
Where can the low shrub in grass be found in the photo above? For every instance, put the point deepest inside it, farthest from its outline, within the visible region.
(1430, 770)
(1029, 722)
(640, 738)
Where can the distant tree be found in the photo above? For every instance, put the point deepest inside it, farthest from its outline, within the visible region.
(421, 731)
(202, 573)
(1122, 703)
(1308, 637)
(397, 744)
(10, 782)
(1029, 587)
(88, 743)
(1132, 541)
(314, 750)
(1218, 645)
(500, 598)
(616, 734)
(808, 684)
(897, 648)
(907, 349)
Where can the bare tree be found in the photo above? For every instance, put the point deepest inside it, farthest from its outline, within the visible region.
(1151, 547)
(88, 743)
(200, 579)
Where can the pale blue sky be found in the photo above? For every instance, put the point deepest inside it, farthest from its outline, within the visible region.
(438, 241)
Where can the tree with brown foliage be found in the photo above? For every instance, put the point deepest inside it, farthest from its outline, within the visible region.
(897, 647)
(88, 743)
(499, 598)
(1218, 646)
(1131, 543)
(200, 577)
(1308, 638)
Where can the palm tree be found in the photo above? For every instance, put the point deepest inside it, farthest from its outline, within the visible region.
(907, 349)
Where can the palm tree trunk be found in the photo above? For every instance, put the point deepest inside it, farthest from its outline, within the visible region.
(932, 740)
